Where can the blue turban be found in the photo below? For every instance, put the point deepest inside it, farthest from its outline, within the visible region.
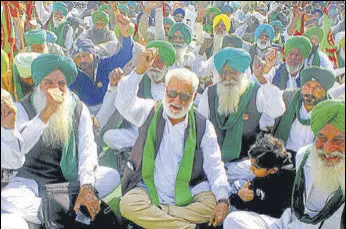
(318, 11)
(83, 45)
(179, 11)
(265, 27)
(238, 59)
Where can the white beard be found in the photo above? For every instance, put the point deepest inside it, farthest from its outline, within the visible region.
(180, 53)
(294, 69)
(327, 178)
(262, 46)
(181, 114)
(157, 75)
(218, 39)
(60, 124)
(56, 23)
(229, 96)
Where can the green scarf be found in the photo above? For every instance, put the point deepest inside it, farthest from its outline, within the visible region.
(316, 61)
(233, 125)
(59, 32)
(147, 87)
(183, 194)
(19, 90)
(292, 112)
(298, 195)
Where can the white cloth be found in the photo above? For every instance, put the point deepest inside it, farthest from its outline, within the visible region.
(324, 61)
(247, 219)
(300, 135)
(314, 199)
(21, 196)
(42, 13)
(13, 221)
(239, 170)
(171, 148)
(28, 132)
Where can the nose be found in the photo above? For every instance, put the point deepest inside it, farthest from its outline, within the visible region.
(329, 147)
(177, 100)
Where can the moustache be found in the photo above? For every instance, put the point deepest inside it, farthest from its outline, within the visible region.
(331, 154)
(155, 70)
(309, 96)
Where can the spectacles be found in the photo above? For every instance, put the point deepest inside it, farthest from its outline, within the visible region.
(183, 95)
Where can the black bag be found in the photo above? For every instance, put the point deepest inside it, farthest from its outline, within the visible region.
(57, 209)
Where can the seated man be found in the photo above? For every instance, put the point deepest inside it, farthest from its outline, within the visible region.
(157, 193)
(318, 199)
(53, 132)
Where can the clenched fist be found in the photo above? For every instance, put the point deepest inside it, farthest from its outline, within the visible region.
(146, 60)
(54, 99)
(123, 23)
(115, 76)
(8, 111)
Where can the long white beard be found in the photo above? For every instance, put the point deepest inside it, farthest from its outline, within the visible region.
(157, 75)
(60, 124)
(180, 53)
(295, 68)
(263, 45)
(327, 178)
(218, 39)
(181, 114)
(229, 96)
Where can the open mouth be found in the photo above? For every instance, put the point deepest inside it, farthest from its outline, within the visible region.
(174, 108)
(330, 160)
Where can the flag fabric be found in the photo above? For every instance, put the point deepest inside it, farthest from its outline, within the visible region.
(301, 23)
(327, 44)
(11, 10)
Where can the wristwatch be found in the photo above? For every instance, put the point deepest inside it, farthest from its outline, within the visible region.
(226, 201)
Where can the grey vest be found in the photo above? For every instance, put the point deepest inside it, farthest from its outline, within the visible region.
(42, 163)
(141, 88)
(251, 126)
(133, 170)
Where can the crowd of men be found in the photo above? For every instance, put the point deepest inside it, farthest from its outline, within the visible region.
(206, 114)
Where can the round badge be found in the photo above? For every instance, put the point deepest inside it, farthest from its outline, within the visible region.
(99, 84)
(246, 117)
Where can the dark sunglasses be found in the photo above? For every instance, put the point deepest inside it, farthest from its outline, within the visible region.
(183, 95)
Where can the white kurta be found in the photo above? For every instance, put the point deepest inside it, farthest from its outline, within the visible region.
(171, 148)
(324, 61)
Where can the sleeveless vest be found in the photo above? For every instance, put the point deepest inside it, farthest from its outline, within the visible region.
(42, 163)
(133, 170)
(251, 126)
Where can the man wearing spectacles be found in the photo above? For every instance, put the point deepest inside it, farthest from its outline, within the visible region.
(175, 177)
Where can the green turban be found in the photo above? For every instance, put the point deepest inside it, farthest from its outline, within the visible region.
(278, 24)
(300, 42)
(184, 29)
(324, 76)
(103, 7)
(124, 7)
(168, 21)
(238, 59)
(100, 15)
(35, 36)
(166, 51)
(60, 6)
(208, 27)
(329, 111)
(5, 62)
(318, 31)
(23, 63)
(47, 63)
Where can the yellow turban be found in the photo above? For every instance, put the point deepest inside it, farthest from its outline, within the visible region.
(225, 20)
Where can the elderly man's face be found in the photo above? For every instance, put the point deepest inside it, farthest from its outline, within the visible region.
(179, 18)
(39, 48)
(230, 75)
(178, 38)
(84, 60)
(263, 41)
(179, 96)
(158, 70)
(312, 93)
(53, 80)
(294, 60)
(332, 142)
(220, 28)
(58, 18)
(100, 25)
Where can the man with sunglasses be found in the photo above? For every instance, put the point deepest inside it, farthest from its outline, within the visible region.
(235, 107)
(157, 192)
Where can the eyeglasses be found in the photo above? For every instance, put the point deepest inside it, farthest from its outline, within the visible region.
(183, 95)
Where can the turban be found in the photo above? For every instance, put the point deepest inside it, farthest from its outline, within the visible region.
(35, 36)
(215, 10)
(124, 7)
(51, 37)
(277, 23)
(267, 28)
(225, 20)
(100, 15)
(83, 45)
(183, 28)
(208, 27)
(103, 7)
(318, 31)
(300, 42)
(23, 63)
(5, 62)
(324, 76)
(318, 11)
(329, 111)
(340, 39)
(47, 63)
(168, 21)
(236, 58)
(179, 11)
(166, 51)
(133, 3)
(232, 41)
(60, 6)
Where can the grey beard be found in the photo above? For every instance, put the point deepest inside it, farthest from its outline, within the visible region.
(262, 46)
(294, 69)
(157, 76)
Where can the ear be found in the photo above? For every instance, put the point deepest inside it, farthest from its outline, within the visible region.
(273, 170)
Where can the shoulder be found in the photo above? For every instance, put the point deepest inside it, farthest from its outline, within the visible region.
(301, 152)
